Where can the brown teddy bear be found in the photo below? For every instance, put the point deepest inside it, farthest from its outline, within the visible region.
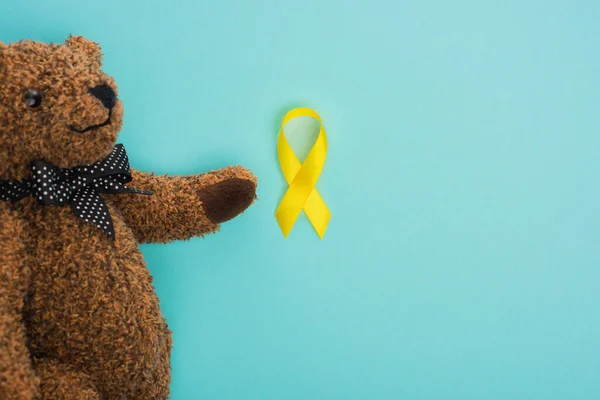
(79, 317)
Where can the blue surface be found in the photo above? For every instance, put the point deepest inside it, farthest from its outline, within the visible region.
(462, 259)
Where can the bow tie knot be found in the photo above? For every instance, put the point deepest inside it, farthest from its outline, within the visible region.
(78, 186)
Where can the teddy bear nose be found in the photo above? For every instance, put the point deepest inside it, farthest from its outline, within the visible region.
(105, 94)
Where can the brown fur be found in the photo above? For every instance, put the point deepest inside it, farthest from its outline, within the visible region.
(79, 318)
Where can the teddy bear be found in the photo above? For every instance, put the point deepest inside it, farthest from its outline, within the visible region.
(79, 317)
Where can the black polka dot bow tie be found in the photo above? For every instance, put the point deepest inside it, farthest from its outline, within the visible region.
(79, 186)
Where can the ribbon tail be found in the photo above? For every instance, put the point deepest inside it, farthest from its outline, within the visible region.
(292, 203)
(129, 190)
(89, 206)
(317, 212)
(286, 218)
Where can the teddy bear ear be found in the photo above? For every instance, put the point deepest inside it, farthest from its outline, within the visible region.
(92, 49)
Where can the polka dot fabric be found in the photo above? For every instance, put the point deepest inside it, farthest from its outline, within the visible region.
(79, 186)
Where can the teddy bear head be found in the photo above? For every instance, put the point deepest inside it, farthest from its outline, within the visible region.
(56, 105)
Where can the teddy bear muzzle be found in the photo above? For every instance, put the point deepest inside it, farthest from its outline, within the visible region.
(108, 98)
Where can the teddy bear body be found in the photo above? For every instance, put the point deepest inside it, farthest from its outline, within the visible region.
(94, 306)
(79, 317)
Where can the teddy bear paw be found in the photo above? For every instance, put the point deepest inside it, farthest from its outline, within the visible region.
(225, 200)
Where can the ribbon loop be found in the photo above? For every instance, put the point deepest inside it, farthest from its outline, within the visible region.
(302, 178)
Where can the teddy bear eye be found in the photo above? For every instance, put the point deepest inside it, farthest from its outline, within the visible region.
(33, 98)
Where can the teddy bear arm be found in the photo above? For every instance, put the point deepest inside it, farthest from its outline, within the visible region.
(17, 377)
(182, 207)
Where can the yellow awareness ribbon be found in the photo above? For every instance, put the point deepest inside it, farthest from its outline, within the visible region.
(302, 178)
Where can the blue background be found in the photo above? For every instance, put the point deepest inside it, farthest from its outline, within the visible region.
(462, 259)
